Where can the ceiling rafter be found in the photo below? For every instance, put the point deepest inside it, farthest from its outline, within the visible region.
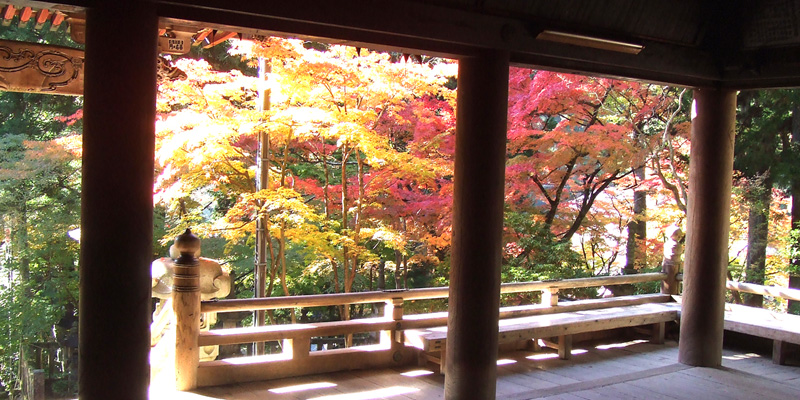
(736, 44)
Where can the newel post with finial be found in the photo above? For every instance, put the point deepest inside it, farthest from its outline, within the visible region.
(186, 304)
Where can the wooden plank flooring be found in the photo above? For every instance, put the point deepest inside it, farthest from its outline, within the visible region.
(631, 370)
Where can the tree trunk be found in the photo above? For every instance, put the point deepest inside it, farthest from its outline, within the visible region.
(398, 263)
(262, 228)
(21, 247)
(282, 238)
(348, 278)
(634, 254)
(757, 236)
(382, 275)
(794, 280)
(637, 228)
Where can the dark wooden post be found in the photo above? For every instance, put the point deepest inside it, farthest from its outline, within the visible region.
(706, 260)
(117, 200)
(477, 226)
(186, 304)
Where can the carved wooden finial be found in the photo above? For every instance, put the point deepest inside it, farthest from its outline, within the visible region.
(187, 244)
(186, 305)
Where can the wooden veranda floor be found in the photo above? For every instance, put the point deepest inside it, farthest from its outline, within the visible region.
(629, 370)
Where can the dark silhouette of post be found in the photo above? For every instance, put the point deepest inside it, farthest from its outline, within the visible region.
(117, 200)
(477, 226)
(706, 258)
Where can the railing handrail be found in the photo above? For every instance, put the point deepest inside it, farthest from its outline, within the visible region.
(317, 300)
(774, 291)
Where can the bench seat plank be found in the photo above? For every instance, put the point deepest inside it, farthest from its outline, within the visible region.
(762, 323)
(552, 325)
(435, 320)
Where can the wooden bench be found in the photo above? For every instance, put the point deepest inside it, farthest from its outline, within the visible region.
(781, 328)
(433, 341)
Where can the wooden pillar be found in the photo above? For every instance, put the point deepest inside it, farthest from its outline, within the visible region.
(186, 305)
(477, 226)
(706, 260)
(117, 200)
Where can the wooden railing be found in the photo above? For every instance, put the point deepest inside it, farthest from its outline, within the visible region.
(393, 318)
(774, 291)
(320, 300)
(297, 359)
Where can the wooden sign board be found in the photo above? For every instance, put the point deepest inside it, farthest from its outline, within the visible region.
(37, 68)
(174, 45)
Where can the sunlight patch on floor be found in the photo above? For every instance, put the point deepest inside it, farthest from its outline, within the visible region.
(543, 356)
(303, 387)
(619, 345)
(172, 394)
(505, 361)
(372, 394)
(741, 356)
(550, 356)
(417, 372)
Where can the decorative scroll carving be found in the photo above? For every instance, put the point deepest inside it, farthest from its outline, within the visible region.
(28, 67)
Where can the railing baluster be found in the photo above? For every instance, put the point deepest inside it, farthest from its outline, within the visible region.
(394, 310)
(550, 297)
(297, 347)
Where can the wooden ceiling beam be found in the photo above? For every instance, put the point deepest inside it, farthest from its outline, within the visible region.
(420, 28)
(777, 68)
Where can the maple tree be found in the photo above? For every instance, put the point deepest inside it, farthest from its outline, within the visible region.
(347, 163)
(578, 141)
(360, 148)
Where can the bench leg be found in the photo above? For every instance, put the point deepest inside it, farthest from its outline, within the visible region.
(533, 345)
(779, 349)
(659, 330)
(565, 347)
(422, 358)
(443, 360)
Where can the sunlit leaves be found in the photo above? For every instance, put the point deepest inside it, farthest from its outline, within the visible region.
(338, 118)
(573, 144)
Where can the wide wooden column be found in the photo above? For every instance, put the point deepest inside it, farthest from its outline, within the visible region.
(117, 200)
(706, 259)
(477, 226)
